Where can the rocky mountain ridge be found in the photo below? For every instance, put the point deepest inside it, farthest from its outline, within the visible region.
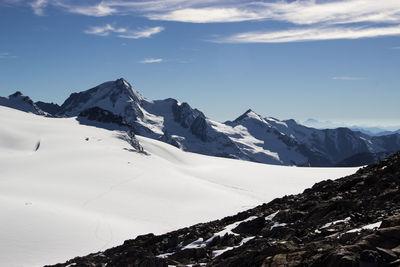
(249, 137)
(351, 221)
(22, 102)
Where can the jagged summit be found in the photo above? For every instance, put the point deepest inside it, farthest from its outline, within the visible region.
(248, 114)
(16, 94)
(123, 84)
(116, 96)
(21, 102)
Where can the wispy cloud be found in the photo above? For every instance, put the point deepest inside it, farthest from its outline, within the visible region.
(97, 10)
(6, 56)
(207, 15)
(38, 6)
(151, 60)
(347, 78)
(297, 12)
(333, 12)
(310, 34)
(301, 12)
(104, 30)
(306, 20)
(142, 33)
(123, 32)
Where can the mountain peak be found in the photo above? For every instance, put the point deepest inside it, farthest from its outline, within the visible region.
(116, 96)
(124, 85)
(249, 111)
(248, 114)
(123, 82)
(16, 94)
(122, 79)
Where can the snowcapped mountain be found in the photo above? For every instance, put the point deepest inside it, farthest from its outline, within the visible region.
(167, 120)
(336, 145)
(249, 137)
(21, 102)
(117, 97)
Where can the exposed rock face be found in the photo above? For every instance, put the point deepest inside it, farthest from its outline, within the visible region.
(184, 114)
(96, 114)
(199, 128)
(191, 118)
(101, 115)
(352, 221)
(50, 108)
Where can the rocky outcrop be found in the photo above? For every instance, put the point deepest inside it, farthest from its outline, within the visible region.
(184, 114)
(190, 118)
(22, 102)
(102, 115)
(93, 115)
(199, 128)
(50, 108)
(352, 221)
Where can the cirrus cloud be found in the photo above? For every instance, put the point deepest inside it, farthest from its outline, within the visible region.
(207, 11)
(151, 60)
(207, 15)
(310, 34)
(124, 32)
(99, 10)
(104, 30)
(38, 6)
(305, 20)
(142, 33)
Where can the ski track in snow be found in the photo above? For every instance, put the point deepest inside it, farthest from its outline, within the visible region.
(75, 196)
(103, 194)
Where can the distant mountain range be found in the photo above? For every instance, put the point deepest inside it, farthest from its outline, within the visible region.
(370, 130)
(249, 137)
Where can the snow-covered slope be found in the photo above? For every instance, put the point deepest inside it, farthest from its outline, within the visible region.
(67, 189)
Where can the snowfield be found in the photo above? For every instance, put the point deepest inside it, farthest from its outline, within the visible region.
(68, 189)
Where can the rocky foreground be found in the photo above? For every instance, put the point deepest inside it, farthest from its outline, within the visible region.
(352, 221)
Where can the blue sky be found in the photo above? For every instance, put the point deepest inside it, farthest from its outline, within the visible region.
(329, 60)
